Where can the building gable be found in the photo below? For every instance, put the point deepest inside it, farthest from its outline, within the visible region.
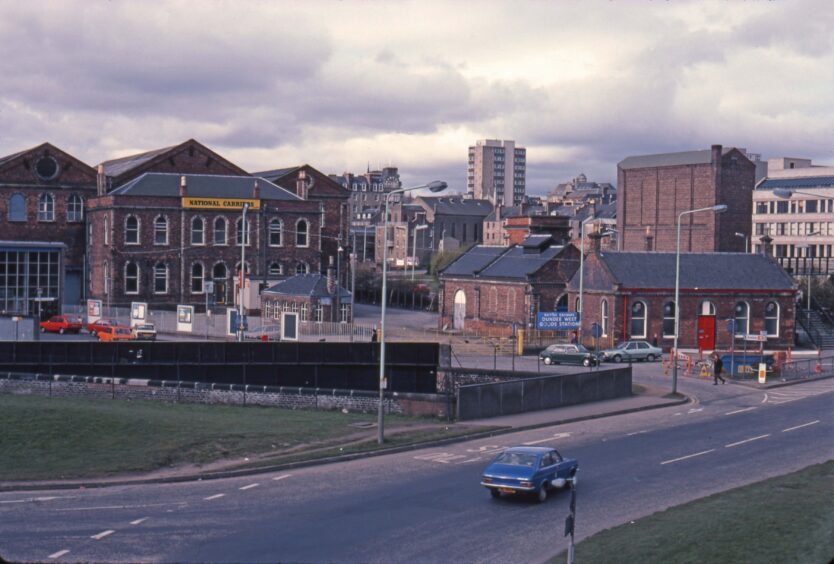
(318, 184)
(46, 165)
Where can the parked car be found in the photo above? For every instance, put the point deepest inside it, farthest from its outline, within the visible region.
(144, 332)
(568, 354)
(61, 324)
(93, 327)
(111, 333)
(629, 351)
(528, 469)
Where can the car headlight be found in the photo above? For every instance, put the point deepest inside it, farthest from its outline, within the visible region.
(525, 484)
(486, 480)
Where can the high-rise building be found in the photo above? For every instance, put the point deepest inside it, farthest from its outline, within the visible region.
(497, 172)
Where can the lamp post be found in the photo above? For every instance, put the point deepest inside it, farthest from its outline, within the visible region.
(435, 186)
(719, 208)
(746, 239)
(414, 248)
(807, 247)
(582, 271)
(243, 233)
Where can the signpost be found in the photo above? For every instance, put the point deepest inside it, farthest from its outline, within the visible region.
(557, 320)
(596, 333)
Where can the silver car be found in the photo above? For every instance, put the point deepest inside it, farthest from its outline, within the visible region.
(629, 351)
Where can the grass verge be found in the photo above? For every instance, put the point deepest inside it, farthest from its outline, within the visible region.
(784, 519)
(60, 438)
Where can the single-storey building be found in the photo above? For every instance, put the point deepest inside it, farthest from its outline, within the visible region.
(312, 296)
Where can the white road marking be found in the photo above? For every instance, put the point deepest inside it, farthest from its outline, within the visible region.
(99, 507)
(58, 554)
(636, 433)
(103, 534)
(800, 426)
(740, 410)
(747, 441)
(687, 456)
(441, 457)
(215, 496)
(249, 487)
(449, 458)
(139, 521)
(282, 476)
(470, 460)
(554, 437)
(693, 410)
(486, 449)
(431, 455)
(31, 499)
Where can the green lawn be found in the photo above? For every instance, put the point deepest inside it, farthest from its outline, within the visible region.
(784, 519)
(53, 438)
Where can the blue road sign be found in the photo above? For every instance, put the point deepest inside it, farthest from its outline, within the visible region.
(557, 320)
(596, 330)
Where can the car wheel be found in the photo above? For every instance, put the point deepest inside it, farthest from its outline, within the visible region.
(650, 358)
(61, 331)
(617, 358)
(494, 493)
(575, 479)
(586, 362)
(93, 333)
(541, 495)
(547, 360)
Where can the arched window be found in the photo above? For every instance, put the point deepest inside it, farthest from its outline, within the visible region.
(75, 208)
(304, 311)
(106, 271)
(238, 232)
(603, 308)
(220, 231)
(669, 319)
(707, 308)
(275, 233)
(742, 318)
(197, 276)
(493, 300)
(276, 269)
(511, 302)
(46, 207)
(301, 233)
(219, 272)
(637, 328)
(106, 229)
(301, 268)
(131, 278)
(160, 278)
(317, 312)
(131, 230)
(198, 231)
(17, 208)
(576, 304)
(245, 268)
(160, 230)
(771, 318)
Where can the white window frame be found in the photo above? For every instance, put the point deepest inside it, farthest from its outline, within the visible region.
(202, 239)
(75, 208)
(137, 231)
(306, 233)
(137, 278)
(776, 317)
(156, 278)
(214, 230)
(156, 230)
(279, 231)
(631, 318)
(201, 278)
(46, 208)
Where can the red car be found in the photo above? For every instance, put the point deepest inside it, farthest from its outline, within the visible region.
(112, 333)
(61, 324)
(94, 327)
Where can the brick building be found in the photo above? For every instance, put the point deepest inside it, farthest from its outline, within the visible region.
(494, 288)
(312, 296)
(653, 189)
(631, 296)
(161, 237)
(43, 193)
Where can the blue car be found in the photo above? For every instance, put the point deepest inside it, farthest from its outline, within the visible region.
(529, 470)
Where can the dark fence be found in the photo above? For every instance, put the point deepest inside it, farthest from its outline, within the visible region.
(477, 401)
(410, 367)
(401, 299)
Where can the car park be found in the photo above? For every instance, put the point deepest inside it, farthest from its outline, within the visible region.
(528, 469)
(93, 327)
(568, 354)
(112, 333)
(61, 324)
(144, 332)
(629, 351)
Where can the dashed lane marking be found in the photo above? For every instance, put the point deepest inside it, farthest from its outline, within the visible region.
(103, 534)
(470, 460)
(747, 441)
(636, 433)
(215, 496)
(139, 521)
(740, 410)
(547, 440)
(282, 477)
(694, 410)
(687, 456)
(800, 426)
(441, 457)
(31, 499)
(249, 487)
(58, 554)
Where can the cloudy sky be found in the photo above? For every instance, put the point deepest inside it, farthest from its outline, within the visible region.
(339, 85)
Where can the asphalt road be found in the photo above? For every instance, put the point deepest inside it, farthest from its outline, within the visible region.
(426, 505)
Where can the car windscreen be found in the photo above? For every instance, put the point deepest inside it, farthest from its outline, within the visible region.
(517, 459)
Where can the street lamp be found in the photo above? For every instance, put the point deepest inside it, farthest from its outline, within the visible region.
(414, 248)
(436, 186)
(243, 233)
(743, 236)
(719, 208)
(582, 270)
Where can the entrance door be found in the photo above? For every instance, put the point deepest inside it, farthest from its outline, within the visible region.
(460, 310)
(706, 332)
(219, 292)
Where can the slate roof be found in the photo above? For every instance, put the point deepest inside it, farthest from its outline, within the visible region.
(276, 173)
(116, 167)
(670, 159)
(516, 264)
(501, 262)
(807, 182)
(456, 205)
(312, 285)
(202, 185)
(474, 260)
(7, 158)
(702, 271)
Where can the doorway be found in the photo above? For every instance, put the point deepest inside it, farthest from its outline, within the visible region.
(459, 314)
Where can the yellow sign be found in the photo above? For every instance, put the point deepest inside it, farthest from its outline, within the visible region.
(762, 373)
(220, 203)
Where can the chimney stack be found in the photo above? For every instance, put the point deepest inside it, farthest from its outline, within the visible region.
(301, 184)
(101, 182)
(649, 239)
(596, 242)
(183, 187)
(330, 280)
(767, 245)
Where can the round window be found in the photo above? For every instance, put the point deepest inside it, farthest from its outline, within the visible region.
(46, 167)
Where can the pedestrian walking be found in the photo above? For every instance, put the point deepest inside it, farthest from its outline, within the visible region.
(717, 368)
(375, 336)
